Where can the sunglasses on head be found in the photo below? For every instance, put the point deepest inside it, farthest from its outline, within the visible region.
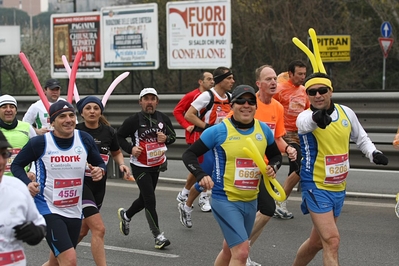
(241, 101)
(321, 91)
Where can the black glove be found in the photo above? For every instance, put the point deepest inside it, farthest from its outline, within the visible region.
(321, 118)
(198, 129)
(379, 158)
(30, 233)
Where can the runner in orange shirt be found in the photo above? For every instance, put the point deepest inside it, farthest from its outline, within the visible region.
(292, 95)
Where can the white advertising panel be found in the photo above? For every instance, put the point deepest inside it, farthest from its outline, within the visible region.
(198, 34)
(130, 37)
(10, 40)
(75, 32)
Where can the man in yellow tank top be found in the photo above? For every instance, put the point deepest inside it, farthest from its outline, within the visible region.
(325, 131)
(235, 178)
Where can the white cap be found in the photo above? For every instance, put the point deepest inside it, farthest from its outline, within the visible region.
(7, 99)
(146, 91)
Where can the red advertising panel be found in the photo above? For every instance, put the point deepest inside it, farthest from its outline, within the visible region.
(71, 33)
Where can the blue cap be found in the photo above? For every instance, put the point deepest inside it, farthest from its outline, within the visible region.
(89, 99)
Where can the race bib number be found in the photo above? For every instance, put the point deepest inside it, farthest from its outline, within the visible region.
(67, 192)
(247, 174)
(337, 167)
(220, 115)
(155, 153)
(105, 158)
(272, 127)
(15, 258)
(14, 153)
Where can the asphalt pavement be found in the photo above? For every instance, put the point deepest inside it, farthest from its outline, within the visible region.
(360, 182)
(368, 227)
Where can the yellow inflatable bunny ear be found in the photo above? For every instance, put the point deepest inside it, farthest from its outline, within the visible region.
(319, 75)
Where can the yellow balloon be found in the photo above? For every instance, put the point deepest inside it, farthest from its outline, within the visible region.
(306, 50)
(316, 51)
(254, 154)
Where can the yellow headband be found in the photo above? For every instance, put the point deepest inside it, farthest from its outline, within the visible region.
(315, 60)
(318, 80)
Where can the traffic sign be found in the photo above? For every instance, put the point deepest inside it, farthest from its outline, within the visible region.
(386, 44)
(386, 29)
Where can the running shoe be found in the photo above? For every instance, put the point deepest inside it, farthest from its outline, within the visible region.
(397, 205)
(161, 241)
(181, 198)
(185, 216)
(281, 210)
(204, 204)
(252, 263)
(123, 224)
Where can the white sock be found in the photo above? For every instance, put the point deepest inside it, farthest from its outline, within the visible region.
(187, 209)
(185, 191)
(204, 194)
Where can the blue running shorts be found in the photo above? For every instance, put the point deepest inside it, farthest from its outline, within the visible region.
(235, 218)
(322, 201)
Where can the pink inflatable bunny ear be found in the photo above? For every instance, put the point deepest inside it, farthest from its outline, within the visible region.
(72, 77)
(68, 69)
(112, 87)
(107, 93)
(35, 80)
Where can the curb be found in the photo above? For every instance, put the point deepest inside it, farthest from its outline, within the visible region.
(366, 195)
(348, 194)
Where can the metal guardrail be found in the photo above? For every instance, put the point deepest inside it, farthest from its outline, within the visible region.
(378, 112)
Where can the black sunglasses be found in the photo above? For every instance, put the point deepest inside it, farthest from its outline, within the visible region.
(241, 101)
(321, 91)
(6, 154)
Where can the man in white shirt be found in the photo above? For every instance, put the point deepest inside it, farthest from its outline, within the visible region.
(37, 113)
(20, 220)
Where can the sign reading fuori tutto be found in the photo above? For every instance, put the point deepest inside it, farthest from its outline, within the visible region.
(334, 48)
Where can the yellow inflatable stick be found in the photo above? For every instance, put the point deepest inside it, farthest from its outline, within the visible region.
(254, 154)
(313, 37)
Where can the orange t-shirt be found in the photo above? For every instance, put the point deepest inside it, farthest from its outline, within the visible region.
(294, 100)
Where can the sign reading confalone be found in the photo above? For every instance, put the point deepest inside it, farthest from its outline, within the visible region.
(198, 34)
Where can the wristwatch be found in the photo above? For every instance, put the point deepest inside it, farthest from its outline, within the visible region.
(102, 171)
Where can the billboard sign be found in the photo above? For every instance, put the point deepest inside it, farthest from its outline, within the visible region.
(334, 48)
(10, 40)
(198, 34)
(130, 37)
(71, 33)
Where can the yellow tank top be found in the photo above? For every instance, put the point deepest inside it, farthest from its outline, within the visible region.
(241, 176)
(331, 164)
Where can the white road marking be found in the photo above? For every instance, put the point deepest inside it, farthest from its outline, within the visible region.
(136, 251)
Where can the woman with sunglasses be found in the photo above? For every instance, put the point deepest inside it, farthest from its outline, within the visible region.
(91, 109)
(235, 178)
